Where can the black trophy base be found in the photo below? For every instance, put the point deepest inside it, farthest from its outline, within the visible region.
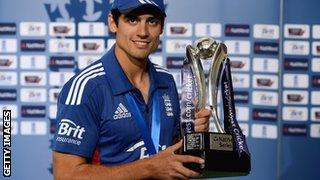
(218, 151)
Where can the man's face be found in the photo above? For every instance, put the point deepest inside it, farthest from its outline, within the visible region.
(137, 34)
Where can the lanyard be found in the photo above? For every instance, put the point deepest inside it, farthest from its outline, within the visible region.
(150, 138)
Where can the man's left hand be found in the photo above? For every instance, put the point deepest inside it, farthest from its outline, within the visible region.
(201, 123)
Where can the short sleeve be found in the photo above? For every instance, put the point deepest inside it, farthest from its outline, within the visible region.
(77, 128)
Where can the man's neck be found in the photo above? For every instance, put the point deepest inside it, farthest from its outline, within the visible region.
(136, 71)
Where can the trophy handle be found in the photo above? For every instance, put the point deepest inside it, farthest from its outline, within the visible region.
(215, 69)
(200, 82)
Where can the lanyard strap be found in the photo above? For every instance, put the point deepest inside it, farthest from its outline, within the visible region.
(150, 138)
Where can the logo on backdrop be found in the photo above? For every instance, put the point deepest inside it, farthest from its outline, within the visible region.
(87, 10)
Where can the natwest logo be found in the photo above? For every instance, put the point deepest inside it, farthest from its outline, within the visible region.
(8, 28)
(265, 114)
(241, 30)
(294, 129)
(271, 48)
(296, 64)
(33, 45)
(69, 128)
(33, 111)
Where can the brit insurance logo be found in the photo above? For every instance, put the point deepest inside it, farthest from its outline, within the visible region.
(69, 132)
(296, 47)
(177, 45)
(121, 112)
(295, 113)
(240, 80)
(266, 31)
(266, 98)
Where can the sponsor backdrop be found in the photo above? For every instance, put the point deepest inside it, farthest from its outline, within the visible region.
(274, 47)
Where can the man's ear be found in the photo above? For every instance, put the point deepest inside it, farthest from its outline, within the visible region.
(112, 24)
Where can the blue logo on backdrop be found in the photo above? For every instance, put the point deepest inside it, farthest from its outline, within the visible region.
(33, 45)
(33, 111)
(8, 94)
(241, 97)
(264, 114)
(8, 29)
(271, 48)
(241, 30)
(61, 62)
(175, 62)
(296, 64)
(294, 129)
(87, 10)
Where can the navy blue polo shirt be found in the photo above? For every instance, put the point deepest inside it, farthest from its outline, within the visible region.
(93, 112)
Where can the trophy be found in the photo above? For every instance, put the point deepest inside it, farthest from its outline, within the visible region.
(225, 151)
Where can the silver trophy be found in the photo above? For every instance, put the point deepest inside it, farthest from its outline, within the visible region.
(225, 150)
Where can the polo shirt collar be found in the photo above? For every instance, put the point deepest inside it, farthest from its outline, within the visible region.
(118, 79)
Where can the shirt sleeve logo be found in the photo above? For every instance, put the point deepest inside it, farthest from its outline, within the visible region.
(69, 132)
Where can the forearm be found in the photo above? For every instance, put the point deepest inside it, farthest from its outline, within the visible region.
(140, 169)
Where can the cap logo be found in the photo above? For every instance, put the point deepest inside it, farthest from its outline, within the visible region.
(147, 1)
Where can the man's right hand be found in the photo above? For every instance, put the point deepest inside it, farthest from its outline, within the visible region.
(168, 165)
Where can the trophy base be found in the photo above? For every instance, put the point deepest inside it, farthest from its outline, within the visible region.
(218, 151)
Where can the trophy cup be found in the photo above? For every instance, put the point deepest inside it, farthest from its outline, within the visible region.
(225, 152)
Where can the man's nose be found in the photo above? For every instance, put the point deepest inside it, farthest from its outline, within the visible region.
(143, 30)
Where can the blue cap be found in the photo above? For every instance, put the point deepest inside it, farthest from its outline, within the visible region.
(126, 6)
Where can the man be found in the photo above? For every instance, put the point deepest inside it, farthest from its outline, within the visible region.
(123, 108)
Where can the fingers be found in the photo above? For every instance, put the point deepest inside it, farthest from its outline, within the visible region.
(175, 147)
(185, 172)
(203, 113)
(188, 159)
(201, 123)
(202, 127)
